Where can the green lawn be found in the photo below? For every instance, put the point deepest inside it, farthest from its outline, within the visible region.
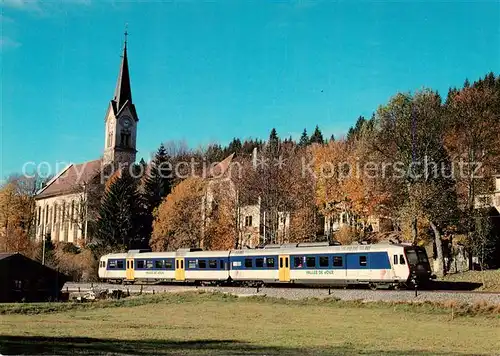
(200, 324)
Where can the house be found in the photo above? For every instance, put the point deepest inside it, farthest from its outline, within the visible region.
(61, 205)
(24, 279)
(253, 221)
(492, 199)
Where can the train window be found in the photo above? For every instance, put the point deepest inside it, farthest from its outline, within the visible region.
(212, 263)
(395, 259)
(182, 264)
(323, 261)
(222, 267)
(112, 264)
(362, 260)
(202, 264)
(236, 263)
(248, 262)
(259, 262)
(149, 264)
(159, 264)
(120, 264)
(286, 262)
(270, 262)
(281, 262)
(297, 262)
(311, 262)
(337, 261)
(168, 264)
(401, 260)
(140, 264)
(191, 264)
(132, 264)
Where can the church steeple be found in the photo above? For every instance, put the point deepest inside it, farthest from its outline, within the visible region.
(123, 91)
(121, 120)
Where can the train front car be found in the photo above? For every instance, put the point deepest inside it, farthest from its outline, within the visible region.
(418, 263)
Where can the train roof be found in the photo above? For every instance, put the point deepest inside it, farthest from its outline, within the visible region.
(285, 249)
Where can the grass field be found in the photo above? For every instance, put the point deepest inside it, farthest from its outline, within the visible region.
(489, 279)
(200, 324)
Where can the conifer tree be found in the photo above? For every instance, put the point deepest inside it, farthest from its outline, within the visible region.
(118, 223)
(317, 136)
(304, 139)
(274, 142)
(157, 185)
(158, 180)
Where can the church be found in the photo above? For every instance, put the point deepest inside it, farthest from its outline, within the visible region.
(61, 205)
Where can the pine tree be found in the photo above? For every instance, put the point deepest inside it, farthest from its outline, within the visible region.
(158, 182)
(119, 218)
(317, 136)
(355, 131)
(274, 142)
(332, 138)
(304, 139)
(157, 185)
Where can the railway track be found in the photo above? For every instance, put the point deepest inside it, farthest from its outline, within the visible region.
(300, 292)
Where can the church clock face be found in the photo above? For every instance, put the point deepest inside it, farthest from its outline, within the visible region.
(126, 122)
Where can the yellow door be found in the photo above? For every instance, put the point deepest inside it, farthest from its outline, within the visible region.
(179, 269)
(284, 268)
(130, 269)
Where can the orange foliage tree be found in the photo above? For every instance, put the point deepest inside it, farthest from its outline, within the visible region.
(178, 219)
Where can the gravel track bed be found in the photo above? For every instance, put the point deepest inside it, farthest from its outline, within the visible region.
(303, 293)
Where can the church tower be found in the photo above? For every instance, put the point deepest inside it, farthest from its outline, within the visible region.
(121, 120)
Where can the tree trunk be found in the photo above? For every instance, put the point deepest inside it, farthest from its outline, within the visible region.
(440, 271)
(414, 232)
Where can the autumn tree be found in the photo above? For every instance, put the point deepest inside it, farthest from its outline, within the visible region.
(178, 219)
(409, 133)
(473, 141)
(17, 213)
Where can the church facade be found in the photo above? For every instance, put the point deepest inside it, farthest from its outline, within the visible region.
(61, 205)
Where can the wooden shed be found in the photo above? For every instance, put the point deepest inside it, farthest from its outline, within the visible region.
(24, 279)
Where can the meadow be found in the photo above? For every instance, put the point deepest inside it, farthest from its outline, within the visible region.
(215, 324)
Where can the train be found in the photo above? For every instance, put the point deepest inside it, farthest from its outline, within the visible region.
(376, 265)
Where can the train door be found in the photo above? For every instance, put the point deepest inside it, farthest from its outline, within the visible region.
(129, 271)
(284, 268)
(179, 269)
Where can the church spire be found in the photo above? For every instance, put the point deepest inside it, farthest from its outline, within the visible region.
(122, 90)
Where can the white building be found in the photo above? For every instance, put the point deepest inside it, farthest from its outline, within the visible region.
(492, 199)
(61, 204)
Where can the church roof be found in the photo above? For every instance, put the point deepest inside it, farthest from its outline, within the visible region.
(70, 179)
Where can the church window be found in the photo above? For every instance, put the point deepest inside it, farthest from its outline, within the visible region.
(125, 139)
(54, 213)
(110, 138)
(63, 212)
(72, 210)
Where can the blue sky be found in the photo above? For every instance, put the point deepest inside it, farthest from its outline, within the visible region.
(205, 72)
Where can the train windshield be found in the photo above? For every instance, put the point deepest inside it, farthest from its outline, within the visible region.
(416, 255)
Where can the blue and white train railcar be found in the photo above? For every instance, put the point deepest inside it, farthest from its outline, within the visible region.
(382, 264)
(151, 266)
(255, 265)
(136, 265)
(112, 267)
(202, 265)
(354, 264)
